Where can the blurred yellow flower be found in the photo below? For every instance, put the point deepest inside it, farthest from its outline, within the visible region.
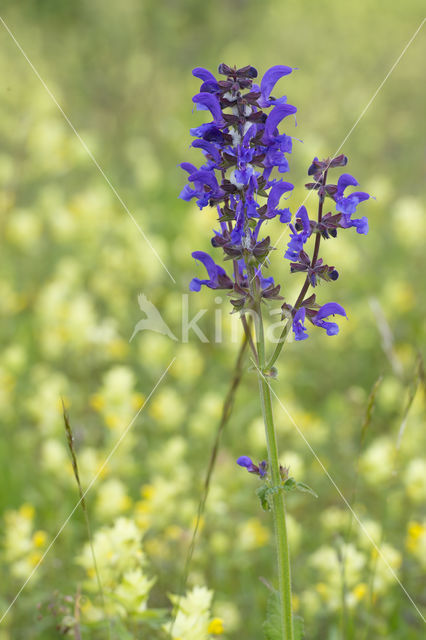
(360, 591)
(27, 511)
(112, 499)
(215, 627)
(416, 540)
(39, 538)
(414, 478)
(252, 534)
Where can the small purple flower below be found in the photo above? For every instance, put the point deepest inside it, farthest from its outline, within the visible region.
(260, 470)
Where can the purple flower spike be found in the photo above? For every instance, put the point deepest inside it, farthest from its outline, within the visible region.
(245, 151)
(329, 309)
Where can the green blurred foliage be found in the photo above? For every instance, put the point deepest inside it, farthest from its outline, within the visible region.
(73, 262)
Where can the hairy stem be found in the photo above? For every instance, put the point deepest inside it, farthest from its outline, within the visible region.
(278, 506)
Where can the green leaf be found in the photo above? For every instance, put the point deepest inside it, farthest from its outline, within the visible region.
(304, 488)
(262, 494)
(289, 484)
(272, 627)
(299, 628)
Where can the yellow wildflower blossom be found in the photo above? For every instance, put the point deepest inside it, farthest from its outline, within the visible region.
(215, 627)
(39, 538)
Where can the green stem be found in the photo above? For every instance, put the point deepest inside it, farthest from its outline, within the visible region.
(305, 287)
(278, 506)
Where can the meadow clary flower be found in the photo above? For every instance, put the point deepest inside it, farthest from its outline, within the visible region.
(346, 205)
(241, 145)
(298, 324)
(260, 470)
(327, 310)
(298, 239)
(217, 275)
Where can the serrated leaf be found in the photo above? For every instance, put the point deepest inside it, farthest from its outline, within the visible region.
(301, 486)
(262, 494)
(272, 627)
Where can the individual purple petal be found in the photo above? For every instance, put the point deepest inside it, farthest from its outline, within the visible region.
(361, 225)
(208, 147)
(276, 192)
(285, 215)
(303, 215)
(208, 131)
(211, 267)
(271, 77)
(205, 177)
(195, 284)
(298, 326)
(210, 102)
(361, 195)
(187, 166)
(277, 114)
(329, 309)
(204, 74)
(218, 279)
(209, 87)
(263, 468)
(245, 461)
(187, 193)
(348, 205)
(264, 282)
(343, 182)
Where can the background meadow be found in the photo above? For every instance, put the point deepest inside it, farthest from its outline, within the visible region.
(72, 264)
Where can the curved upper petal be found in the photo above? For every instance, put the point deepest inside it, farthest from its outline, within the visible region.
(204, 74)
(210, 102)
(208, 147)
(330, 309)
(278, 113)
(303, 215)
(344, 181)
(187, 166)
(245, 461)
(276, 192)
(271, 77)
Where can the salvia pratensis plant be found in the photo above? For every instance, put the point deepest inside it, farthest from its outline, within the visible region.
(244, 154)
